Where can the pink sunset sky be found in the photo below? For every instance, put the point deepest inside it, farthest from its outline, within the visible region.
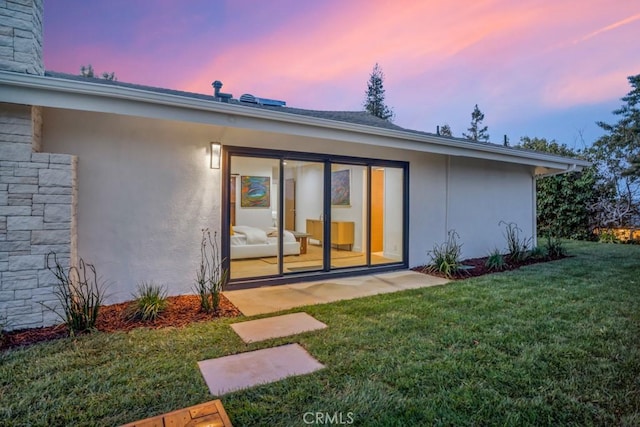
(545, 68)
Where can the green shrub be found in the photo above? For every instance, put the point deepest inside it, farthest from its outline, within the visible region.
(537, 252)
(445, 257)
(79, 293)
(150, 301)
(495, 261)
(555, 248)
(517, 246)
(210, 276)
(608, 236)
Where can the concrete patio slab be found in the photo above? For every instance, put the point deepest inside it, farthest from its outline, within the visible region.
(270, 299)
(276, 327)
(244, 370)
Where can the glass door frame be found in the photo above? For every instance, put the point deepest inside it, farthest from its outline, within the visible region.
(327, 159)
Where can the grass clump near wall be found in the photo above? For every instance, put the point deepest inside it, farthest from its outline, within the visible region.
(79, 294)
(150, 300)
(445, 258)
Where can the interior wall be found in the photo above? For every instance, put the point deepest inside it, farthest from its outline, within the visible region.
(355, 212)
(251, 166)
(393, 213)
(309, 193)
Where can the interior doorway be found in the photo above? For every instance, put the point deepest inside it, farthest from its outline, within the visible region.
(290, 204)
(377, 210)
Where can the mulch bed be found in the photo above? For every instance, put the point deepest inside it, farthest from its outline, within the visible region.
(477, 267)
(181, 311)
(185, 309)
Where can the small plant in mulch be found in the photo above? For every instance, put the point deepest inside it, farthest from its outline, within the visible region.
(555, 248)
(537, 252)
(445, 257)
(495, 261)
(210, 276)
(79, 293)
(150, 300)
(517, 246)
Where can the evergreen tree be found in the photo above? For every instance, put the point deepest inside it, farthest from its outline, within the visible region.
(87, 71)
(614, 154)
(374, 102)
(476, 131)
(445, 130)
(621, 144)
(634, 168)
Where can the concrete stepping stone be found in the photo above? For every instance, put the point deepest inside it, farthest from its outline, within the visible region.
(244, 370)
(270, 299)
(276, 327)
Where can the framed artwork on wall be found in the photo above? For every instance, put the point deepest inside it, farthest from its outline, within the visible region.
(255, 191)
(341, 188)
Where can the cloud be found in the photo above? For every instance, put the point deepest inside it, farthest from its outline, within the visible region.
(613, 26)
(440, 57)
(587, 89)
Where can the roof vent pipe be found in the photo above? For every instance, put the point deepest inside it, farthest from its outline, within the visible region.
(224, 97)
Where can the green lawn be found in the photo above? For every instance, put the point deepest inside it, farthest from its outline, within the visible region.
(549, 344)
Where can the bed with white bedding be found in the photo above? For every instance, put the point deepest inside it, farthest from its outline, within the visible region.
(253, 242)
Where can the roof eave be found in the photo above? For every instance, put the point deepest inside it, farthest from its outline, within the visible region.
(413, 141)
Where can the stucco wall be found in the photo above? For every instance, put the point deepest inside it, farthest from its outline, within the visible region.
(146, 191)
(481, 195)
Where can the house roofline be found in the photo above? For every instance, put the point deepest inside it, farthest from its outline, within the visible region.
(41, 86)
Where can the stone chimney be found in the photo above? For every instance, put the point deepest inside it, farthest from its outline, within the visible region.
(21, 36)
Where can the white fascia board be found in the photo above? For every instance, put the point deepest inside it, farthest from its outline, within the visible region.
(88, 96)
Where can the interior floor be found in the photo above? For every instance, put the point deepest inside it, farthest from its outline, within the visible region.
(311, 261)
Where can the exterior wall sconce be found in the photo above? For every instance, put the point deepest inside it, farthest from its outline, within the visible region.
(216, 149)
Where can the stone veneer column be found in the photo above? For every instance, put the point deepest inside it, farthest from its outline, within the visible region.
(37, 190)
(38, 193)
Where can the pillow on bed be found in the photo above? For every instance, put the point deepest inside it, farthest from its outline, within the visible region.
(287, 236)
(254, 236)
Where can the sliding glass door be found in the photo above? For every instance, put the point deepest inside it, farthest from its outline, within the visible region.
(349, 210)
(292, 214)
(253, 221)
(387, 215)
(303, 218)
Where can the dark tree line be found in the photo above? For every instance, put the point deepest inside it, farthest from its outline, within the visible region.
(87, 71)
(603, 196)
